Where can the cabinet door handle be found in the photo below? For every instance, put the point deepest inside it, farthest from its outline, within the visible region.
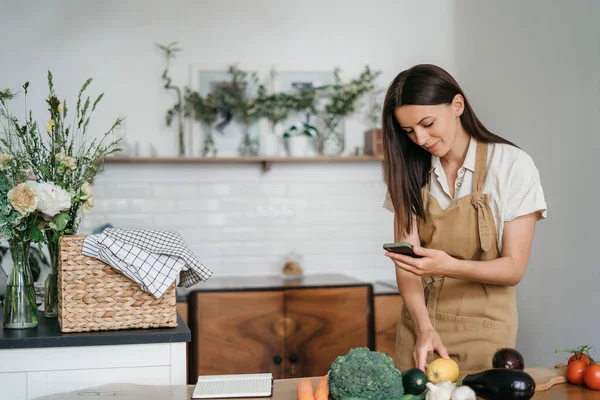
(293, 358)
(277, 360)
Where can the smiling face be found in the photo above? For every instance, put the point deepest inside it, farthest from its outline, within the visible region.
(434, 128)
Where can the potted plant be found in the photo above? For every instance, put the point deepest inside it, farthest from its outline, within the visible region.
(54, 172)
(244, 106)
(298, 138)
(275, 108)
(374, 135)
(343, 101)
(204, 110)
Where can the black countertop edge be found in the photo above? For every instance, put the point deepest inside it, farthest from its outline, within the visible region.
(47, 334)
(181, 298)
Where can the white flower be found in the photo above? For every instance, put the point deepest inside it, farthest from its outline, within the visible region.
(88, 197)
(53, 199)
(24, 197)
(68, 161)
(88, 205)
(87, 191)
(4, 160)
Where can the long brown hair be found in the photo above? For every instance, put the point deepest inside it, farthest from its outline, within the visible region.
(407, 165)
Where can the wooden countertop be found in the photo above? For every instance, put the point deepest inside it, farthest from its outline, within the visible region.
(284, 389)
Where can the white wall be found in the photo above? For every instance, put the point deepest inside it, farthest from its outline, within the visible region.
(532, 70)
(236, 219)
(114, 42)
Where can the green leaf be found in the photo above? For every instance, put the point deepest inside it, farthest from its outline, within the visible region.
(59, 222)
(37, 236)
(45, 170)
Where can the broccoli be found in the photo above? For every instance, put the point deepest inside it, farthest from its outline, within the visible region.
(365, 374)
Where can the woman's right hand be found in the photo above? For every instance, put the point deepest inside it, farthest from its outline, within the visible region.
(428, 340)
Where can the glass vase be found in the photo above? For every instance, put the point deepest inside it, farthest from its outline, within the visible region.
(331, 140)
(20, 308)
(208, 143)
(51, 284)
(248, 145)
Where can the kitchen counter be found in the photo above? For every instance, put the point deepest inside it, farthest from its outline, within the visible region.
(284, 389)
(385, 288)
(271, 282)
(48, 334)
(43, 360)
(279, 282)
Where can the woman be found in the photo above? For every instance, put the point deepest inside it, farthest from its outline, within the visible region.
(468, 200)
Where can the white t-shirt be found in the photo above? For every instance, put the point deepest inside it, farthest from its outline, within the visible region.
(512, 184)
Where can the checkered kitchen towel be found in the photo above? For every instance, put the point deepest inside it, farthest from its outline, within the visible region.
(152, 259)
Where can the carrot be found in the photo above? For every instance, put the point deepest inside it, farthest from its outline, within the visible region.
(305, 390)
(322, 389)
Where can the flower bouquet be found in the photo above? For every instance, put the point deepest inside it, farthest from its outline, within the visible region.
(56, 169)
(18, 219)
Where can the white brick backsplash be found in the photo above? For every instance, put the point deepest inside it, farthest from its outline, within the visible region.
(173, 221)
(175, 190)
(341, 189)
(151, 205)
(125, 190)
(273, 189)
(202, 234)
(213, 189)
(239, 220)
(198, 205)
(129, 221)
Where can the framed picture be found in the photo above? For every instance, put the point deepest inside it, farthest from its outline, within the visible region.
(227, 131)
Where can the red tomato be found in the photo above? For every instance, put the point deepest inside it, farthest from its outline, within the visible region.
(578, 356)
(591, 376)
(575, 371)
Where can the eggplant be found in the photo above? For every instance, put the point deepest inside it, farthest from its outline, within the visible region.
(501, 384)
(508, 358)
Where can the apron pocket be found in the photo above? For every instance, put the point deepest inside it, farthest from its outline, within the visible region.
(472, 322)
(472, 341)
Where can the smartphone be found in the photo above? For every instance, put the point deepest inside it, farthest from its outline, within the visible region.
(401, 248)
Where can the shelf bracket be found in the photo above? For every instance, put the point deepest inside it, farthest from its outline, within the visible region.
(266, 165)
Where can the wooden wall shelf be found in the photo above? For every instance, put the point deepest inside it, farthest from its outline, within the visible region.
(266, 162)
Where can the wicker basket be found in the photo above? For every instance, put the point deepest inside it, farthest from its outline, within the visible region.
(93, 296)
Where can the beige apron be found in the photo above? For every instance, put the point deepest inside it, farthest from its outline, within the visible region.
(472, 319)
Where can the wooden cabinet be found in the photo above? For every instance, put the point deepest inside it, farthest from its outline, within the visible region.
(182, 309)
(267, 324)
(387, 303)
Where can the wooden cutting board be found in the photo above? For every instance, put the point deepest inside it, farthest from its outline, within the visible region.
(546, 377)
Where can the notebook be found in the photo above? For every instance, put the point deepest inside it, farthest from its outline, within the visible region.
(236, 385)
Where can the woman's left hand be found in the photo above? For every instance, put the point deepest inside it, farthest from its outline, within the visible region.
(432, 262)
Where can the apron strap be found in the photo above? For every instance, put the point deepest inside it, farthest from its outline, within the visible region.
(480, 167)
(484, 216)
(480, 200)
